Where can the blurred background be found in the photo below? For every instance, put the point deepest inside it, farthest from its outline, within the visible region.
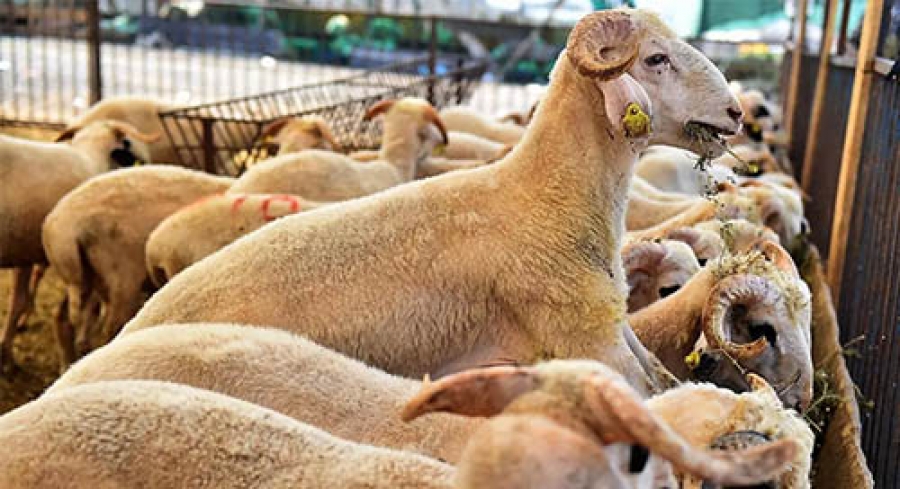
(58, 56)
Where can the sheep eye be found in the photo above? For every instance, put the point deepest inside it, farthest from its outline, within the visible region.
(638, 459)
(656, 59)
(763, 330)
(761, 111)
(667, 291)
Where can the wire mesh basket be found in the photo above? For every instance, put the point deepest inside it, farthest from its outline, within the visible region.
(221, 137)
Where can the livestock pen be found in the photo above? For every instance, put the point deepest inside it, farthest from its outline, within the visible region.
(845, 133)
(842, 112)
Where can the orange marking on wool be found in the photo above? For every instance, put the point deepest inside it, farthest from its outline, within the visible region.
(290, 199)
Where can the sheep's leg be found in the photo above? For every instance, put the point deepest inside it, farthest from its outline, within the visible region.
(65, 336)
(118, 312)
(17, 303)
(36, 275)
(81, 306)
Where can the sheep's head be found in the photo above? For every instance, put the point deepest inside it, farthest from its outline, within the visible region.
(656, 270)
(780, 209)
(707, 245)
(292, 134)
(410, 119)
(737, 235)
(120, 143)
(736, 421)
(757, 319)
(693, 107)
(588, 399)
(761, 116)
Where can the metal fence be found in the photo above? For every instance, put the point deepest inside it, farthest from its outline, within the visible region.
(58, 57)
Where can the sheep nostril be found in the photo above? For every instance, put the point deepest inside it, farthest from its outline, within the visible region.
(735, 114)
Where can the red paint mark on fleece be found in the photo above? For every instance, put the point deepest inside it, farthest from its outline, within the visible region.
(290, 199)
(236, 205)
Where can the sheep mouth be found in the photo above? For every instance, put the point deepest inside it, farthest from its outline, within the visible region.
(705, 132)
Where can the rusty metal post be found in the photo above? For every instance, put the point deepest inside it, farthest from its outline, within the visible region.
(209, 146)
(460, 91)
(95, 75)
(432, 58)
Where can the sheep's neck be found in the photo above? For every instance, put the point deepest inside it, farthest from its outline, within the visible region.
(400, 148)
(577, 168)
(97, 159)
(670, 327)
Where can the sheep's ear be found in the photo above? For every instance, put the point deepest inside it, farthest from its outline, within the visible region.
(478, 392)
(273, 128)
(433, 117)
(777, 255)
(122, 129)
(67, 134)
(326, 134)
(643, 255)
(378, 109)
(627, 105)
(514, 118)
(604, 45)
(625, 418)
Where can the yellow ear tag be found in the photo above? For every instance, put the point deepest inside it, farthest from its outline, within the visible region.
(692, 360)
(635, 121)
(439, 150)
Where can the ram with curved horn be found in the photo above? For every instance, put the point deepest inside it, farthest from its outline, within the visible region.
(516, 261)
(744, 313)
(656, 269)
(592, 403)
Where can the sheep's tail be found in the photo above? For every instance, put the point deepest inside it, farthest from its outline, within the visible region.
(69, 257)
(157, 275)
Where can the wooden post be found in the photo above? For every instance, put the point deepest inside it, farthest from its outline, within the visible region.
(790, 103)
(856, 125)
(812, 138)
(95, 77)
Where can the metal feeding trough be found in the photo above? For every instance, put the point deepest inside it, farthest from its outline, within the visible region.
(221, 137)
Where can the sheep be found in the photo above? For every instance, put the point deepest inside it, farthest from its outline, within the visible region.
(300, 379)
(95, 238)
(437, 165)
(293, 134)
(656, 269)
(141, 113)
(34, 177)
(464, 146)
(203, 227)
(158, 434)
(573, 405)
(708, 239)
(449, 272)
(669, 169)
(762, 120)
(468, 120)
(324, 176)
(746, 312)
(283, 372)
(645, 212)
(726, 414)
